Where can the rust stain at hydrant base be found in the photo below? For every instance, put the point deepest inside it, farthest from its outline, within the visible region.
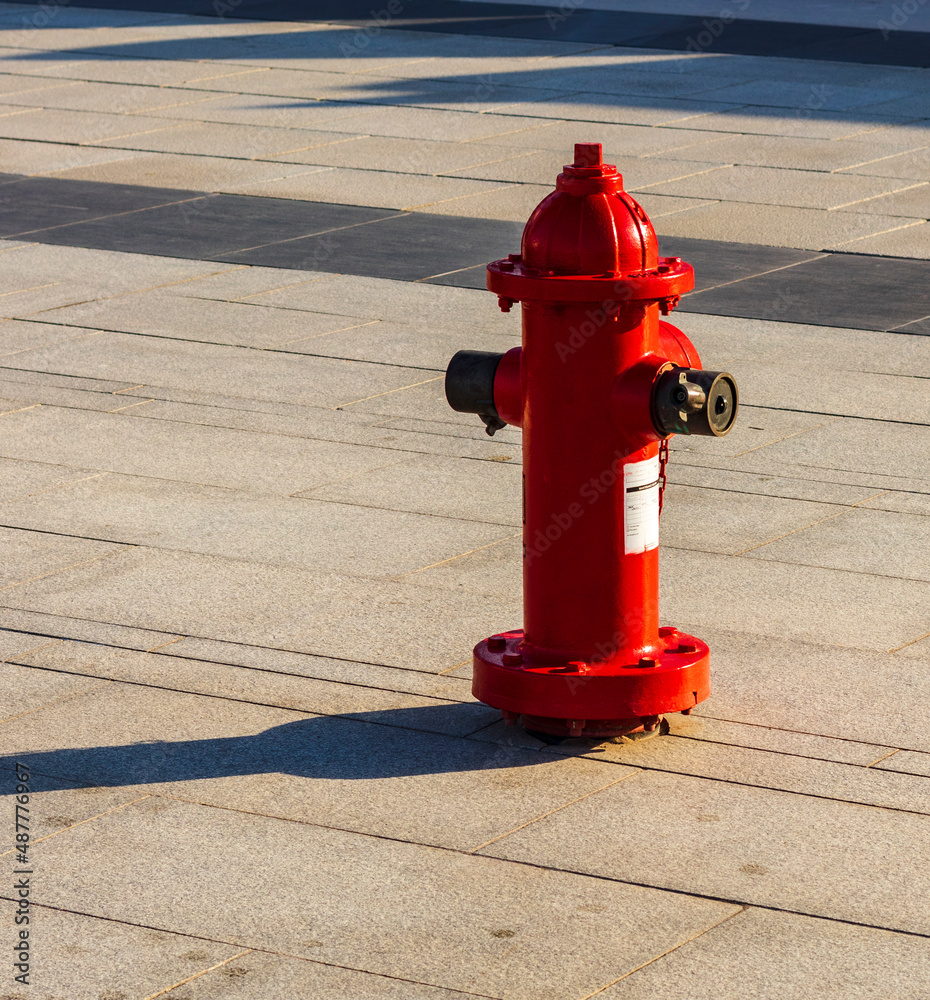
(598, 387)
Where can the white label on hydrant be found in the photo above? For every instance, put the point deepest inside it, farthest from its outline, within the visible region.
(641, 505)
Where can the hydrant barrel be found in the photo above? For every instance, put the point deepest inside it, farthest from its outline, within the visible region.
(600, 383)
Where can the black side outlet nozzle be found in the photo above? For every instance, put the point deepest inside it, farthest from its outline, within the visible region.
(470, 386)
(691, 401)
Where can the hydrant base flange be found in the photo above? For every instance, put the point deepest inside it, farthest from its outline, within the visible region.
(609, 698)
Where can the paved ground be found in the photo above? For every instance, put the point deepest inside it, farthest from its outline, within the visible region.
(247, 547)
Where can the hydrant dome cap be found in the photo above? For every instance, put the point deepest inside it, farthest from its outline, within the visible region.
(589, 225)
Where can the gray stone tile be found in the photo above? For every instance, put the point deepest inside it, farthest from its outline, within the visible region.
(230, 371)
(120, 99)
(84, 957)
(85, 629)
(324, 614)
(394, 776)
(794, 96)
(436, 914)
(717, 520)
(443, 487)
(765, 953)
(878, 542)
(260, 976)
(742, 843)
(241, 281)
(27, 689)
(30, 555)
(14, 645)
(210, 455)
(785, 600)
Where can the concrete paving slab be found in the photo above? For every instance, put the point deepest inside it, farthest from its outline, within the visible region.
(413, 156)
(779, 225)
(163, 670)
(914, 202)
(713, 520)
(831, 690)
(119, 443)
(119, 99)
(425, 123)
(30, 555)
(259, 976)
(373, 187)
(853, 156)
(913, 165)
(29, 690)
(226, 370)
(914, 241)
(770, 486)
(807, 122)
(398, 343)
(779, 186)
(343, 672)
(907, 762)
(862, 541)
(345, 773)
(731, 841)
(439, 915)
(113, 69)
(77, 126)
(365, 539)
(543, 166)
(763, 952)
(830, 96)
(184, 317)
(21, 478)
(84, 958)
(204, 173)
(443, 487)
(98, 272)
(587, 107)
(25, 157)
(324, 614)
(642, 140)
(801, 602)
(88, 630)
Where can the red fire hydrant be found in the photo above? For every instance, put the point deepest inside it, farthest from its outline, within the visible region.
(598, 387)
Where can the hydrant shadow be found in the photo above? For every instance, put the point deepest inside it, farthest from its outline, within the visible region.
(365, 746)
